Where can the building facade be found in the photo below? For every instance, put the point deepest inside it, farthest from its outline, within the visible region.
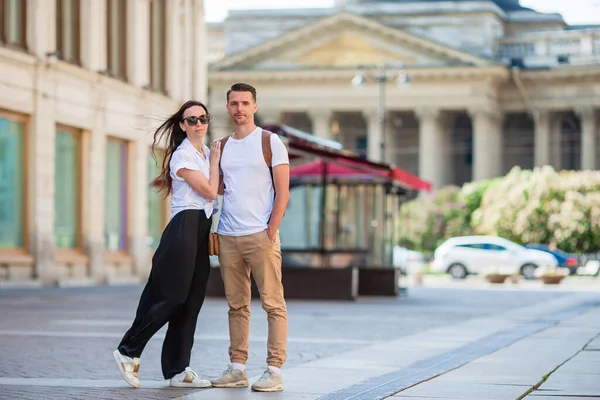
(484, 85)
(84, 83)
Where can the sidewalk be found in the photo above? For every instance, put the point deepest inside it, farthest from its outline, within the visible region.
(492, 358)
(434, 343)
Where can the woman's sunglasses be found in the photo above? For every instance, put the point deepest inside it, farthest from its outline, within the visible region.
(193, 121)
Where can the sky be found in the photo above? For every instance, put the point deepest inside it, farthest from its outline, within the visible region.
(573, 11)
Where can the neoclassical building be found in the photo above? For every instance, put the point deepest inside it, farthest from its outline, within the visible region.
(83, 83)
(484, 85)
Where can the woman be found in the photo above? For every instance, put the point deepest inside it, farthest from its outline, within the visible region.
(176, 287)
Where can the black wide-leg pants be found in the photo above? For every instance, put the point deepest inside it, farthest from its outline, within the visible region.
(174, 293)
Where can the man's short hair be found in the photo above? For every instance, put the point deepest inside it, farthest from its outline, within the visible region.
(242, 87)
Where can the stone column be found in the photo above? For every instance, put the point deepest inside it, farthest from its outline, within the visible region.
(94, 190)
(321, 123)
(41, 153)
(374, 135)
(138, 42)
(392, 139)
(487, 144)
(187, 42)
(434, 149)
(542, 149)
(138, 206)
(93, 35)
(41, 27)
(200, 83)
(589, 143)
(556, 150)
(175, 36)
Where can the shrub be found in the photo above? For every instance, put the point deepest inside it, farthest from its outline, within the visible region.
(525, 206)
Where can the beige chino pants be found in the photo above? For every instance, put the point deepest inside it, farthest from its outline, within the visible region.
(239, 256)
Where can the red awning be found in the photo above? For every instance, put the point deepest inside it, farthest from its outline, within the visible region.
(343, 162)
(316, 168)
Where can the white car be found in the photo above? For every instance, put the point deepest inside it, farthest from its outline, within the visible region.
(461, 256)
(409, 261)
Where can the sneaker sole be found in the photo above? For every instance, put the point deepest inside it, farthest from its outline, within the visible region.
(190, 385)
(238, 384)
(278, 388)
(122, 371)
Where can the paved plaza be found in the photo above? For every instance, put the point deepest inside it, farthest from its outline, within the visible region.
(433, 343)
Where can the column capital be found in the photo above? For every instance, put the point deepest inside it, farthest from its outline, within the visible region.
(486, 112)
(541, 115)
(370, 113)
(585, 112)
(427, 113)
(269, 115)
(314, 113)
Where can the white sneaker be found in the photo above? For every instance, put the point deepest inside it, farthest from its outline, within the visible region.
(128, 367)
(269, 382)
(188, 378)
(231, 378)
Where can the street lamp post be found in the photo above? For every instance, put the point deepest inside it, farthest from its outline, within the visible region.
(381, 74)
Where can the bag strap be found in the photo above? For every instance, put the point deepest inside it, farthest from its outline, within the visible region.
(268, 154)
(266, 148)
(222, 141)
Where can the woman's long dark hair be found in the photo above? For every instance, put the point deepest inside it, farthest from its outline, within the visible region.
(174, 136)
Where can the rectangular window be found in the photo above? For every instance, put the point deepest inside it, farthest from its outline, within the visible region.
(156, 202)
(157, 44)
(67, 186)
(13, 16)
(12, 182)
(116, 195)
(361, 146)
(117, 38)
(68, 29)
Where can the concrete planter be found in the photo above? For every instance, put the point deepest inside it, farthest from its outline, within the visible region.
(552, 279)
(497, 278)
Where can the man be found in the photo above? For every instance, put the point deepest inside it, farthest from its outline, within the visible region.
(255, 197)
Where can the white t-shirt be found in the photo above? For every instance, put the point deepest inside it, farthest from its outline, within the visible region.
(183, 197)
(249, 193)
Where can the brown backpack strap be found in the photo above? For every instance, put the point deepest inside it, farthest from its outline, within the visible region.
(266, 148)
(222, 141)
(268, 155)
(221, 189)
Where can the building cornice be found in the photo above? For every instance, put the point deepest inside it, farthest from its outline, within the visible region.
(490, 73)
(567, 73)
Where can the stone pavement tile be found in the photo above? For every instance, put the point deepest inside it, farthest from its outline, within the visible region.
(8, 392)
(568, 384)
(594, 344)
(586, 362)
(557, 397)
(309, 382)
(513, 370)
(87, 358)
(463, 391)
(246, 394)
(81, 383)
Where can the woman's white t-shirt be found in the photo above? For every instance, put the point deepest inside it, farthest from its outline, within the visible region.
(249, 193)
(183, 197)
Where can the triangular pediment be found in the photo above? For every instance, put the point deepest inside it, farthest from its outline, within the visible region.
(345, 41)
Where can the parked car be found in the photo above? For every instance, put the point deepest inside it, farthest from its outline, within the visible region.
(464, 255)
(564, 259)
(409, 261)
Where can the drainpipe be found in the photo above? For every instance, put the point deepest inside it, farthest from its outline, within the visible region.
(516, 75)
